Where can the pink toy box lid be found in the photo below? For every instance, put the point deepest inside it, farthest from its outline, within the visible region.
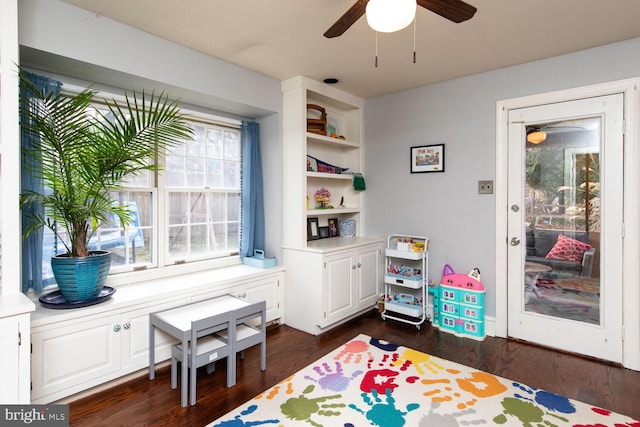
(463, 281)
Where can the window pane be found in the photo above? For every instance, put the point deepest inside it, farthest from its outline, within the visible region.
(233, 207)
(215, 173)
(132, 245)
(178, 208)
(208, 172)
(217, 206)
(174, 171)
(195, 173)
(214, 143)
(231, 175)
(231, 145)
(199, 237)
(233, 235)
(220, 237)
(178, 237)
(197, 147)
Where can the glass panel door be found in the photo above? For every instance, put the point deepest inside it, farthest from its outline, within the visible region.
(562, 219)
(564, 225)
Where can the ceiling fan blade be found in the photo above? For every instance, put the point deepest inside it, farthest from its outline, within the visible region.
(354, 13)
(454, 10)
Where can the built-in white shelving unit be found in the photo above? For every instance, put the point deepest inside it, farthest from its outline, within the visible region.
(335, 278)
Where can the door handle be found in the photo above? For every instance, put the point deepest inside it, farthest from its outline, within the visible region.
(515, 241)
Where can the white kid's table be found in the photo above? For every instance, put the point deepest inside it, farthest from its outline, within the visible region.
(177, 323)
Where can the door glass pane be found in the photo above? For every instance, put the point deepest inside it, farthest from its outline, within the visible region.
(562, 219)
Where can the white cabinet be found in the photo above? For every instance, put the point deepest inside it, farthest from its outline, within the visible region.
(328, 286)
(74, 355)
(9, 358)
(330, 279)
(14, 348)
(269, 289)
(14, 358)
(74, 350)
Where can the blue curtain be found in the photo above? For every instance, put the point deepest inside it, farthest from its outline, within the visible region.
(32, 245)
(252, 216)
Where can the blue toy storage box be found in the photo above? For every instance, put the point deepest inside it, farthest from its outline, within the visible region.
(405, 304)
(258, 260)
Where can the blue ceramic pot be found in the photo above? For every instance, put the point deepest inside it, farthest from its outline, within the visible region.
(81, 278)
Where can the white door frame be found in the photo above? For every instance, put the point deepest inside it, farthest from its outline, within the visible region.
(631, 193)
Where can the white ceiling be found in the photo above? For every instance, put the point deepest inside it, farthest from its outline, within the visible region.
(283, 38)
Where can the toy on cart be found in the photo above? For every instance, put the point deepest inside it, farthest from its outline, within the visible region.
(461, 299)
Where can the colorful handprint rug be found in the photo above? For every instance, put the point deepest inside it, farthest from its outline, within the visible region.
(368, 382)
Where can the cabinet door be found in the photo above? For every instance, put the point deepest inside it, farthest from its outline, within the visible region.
(135, 337)
(71, 358)
(9, 361)
(368, 269)
(338, 284)
(268, 290)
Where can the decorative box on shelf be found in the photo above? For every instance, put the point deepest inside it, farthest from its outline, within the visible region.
(258, 260)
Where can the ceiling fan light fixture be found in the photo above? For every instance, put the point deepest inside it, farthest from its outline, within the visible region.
(387, 16)
(536, 137)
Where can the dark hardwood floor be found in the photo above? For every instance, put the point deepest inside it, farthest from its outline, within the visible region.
(141, 402)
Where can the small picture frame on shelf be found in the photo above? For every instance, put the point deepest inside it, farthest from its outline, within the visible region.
(427, 158)
(333, 227)
(313, 230)
(324, 232)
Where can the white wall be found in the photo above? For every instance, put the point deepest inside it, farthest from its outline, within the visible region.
(63, 39)
(461, 114)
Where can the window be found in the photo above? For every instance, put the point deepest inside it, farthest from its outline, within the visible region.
(202, 182)
(189, 212)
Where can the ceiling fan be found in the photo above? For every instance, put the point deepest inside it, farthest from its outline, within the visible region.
(453, 10)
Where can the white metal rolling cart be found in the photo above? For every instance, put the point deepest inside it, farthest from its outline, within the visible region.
(405, 279)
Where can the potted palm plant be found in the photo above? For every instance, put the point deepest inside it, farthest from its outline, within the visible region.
(83, 157)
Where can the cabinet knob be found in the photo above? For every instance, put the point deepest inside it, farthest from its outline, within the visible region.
(127, 325)
(116, 328)
(359, 265)
(353, 267)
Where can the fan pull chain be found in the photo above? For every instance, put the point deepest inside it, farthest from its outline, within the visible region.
(414, 39)
(376, 49)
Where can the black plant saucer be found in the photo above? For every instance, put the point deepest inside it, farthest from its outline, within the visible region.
(57, 301)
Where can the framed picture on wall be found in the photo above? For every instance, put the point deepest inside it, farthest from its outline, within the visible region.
(427, 158)
(313, 230)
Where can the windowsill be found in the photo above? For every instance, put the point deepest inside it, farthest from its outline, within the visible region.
(156, 289)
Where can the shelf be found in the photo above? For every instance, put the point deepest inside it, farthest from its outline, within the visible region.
(404, 254)
(337, 211)
(332, 141)
(404, 282)
(406, 309)
(323, 175)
